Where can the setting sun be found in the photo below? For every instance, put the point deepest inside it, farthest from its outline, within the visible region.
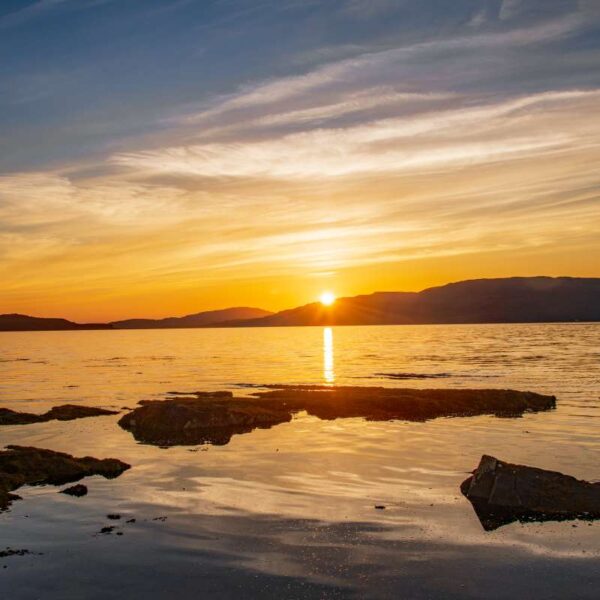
(327, 298)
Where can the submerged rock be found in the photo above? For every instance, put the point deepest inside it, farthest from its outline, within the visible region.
(12, 552)
(108, 529)
(65, 412)
(214, 417)
(502, 493)
(78, 490)
(414, 375)
(23, 465)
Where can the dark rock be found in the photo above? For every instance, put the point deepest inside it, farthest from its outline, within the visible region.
(11, 417)
(198, 420)
(22, 465)
(385, 404)
(380, 507)
(68, 412)
(11, 552)
(502, 493)
(218, 394)
(65, 412)
(213, 417)
(78, 490)
(113, 517)
(108, 529)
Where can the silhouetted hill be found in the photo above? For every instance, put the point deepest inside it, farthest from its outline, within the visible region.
(377, 308)
(511, 300)
(202, 319)
(16, 322)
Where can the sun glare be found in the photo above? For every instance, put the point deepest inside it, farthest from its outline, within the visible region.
(327, 298)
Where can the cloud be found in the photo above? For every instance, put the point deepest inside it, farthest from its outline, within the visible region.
(427, 141)
(365, 69)
(510, 9)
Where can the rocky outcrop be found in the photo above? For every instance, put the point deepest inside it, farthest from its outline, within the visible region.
(213, 417)
(23, 465)
(203, 418)
(65, 412)
(502, 493)
(385, 404)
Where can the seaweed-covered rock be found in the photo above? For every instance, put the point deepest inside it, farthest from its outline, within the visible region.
(23, 465)
(384, 404)
(214, 417)
(502, 493)
(65, 412)
(200, 419)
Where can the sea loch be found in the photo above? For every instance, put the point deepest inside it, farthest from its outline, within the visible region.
(291, 509)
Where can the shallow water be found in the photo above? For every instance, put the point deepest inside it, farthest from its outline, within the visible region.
(289, 511)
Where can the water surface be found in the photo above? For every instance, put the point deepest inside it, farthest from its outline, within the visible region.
(289, 511)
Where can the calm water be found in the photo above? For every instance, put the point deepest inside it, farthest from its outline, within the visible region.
(289, 511)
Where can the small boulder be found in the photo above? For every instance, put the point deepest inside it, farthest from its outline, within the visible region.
(78, 490)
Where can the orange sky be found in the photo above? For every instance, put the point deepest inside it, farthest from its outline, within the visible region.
(115, 246)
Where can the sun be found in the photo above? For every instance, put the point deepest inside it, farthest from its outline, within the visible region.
(327, 298)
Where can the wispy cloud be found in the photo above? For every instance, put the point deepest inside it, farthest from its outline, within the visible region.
(366, 69)
(39, 8)
(421, 142)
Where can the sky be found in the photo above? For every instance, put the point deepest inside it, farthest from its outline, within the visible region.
(163, 157)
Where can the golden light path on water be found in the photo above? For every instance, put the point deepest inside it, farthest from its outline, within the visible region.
(328, 369)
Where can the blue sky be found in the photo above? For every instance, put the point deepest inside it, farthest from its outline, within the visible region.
(388, 133)
(89, 74)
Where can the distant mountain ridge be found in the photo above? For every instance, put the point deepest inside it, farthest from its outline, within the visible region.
(17, 322)
(507, 300)
(201, 319)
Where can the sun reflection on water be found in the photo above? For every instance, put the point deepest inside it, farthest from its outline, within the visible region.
(328, 372)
